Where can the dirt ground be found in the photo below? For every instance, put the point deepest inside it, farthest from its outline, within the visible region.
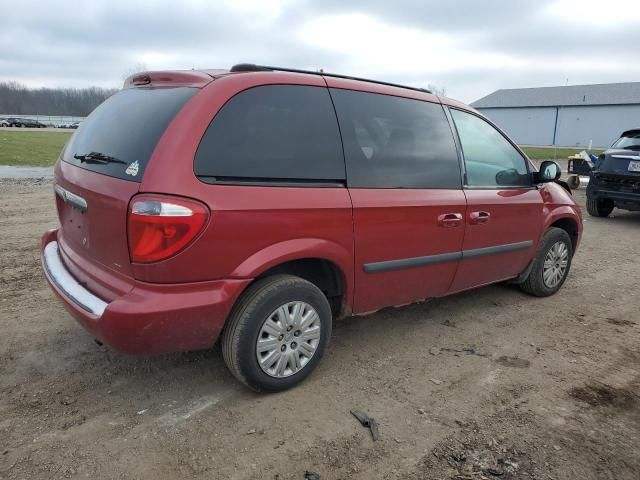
(487, 384)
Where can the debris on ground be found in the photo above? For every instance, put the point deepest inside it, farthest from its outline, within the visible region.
(436, 381)
(368, 422)
(621, 322)
(514, 362)
(471, 463)
(311, 475)
(468, 350)
(472, 459)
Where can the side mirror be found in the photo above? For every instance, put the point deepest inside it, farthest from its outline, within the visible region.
(549, 172)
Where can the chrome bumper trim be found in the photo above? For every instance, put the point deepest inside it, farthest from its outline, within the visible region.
(58, 273)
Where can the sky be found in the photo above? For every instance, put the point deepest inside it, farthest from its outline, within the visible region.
(468, 47)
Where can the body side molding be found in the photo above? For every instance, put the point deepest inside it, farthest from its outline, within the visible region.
(402, 263)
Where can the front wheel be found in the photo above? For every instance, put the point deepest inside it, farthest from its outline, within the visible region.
(551, 264)
(599, 207)
(277, 333)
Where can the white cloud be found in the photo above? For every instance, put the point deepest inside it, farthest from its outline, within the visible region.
(597, 14)
(372, 46)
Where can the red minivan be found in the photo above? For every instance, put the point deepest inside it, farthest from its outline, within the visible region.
(259, 204)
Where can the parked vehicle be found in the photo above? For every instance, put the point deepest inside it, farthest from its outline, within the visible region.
(25, 122)
(615, 177)
(259, 204)
(4, 122)
(15, 122)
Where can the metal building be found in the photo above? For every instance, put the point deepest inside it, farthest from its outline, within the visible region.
(565, 116)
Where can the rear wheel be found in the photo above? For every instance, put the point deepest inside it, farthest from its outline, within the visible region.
(599, 207)
(551, 264)
(277, 333)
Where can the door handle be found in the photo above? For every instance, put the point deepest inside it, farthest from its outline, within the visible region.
(450, 220)
(479, 218)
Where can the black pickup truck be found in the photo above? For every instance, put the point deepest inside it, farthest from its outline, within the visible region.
(615, 178)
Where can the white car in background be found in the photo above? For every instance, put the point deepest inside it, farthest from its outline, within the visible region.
(3, 122)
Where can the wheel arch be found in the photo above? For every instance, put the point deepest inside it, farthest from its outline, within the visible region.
(569, 225)
(324, 263)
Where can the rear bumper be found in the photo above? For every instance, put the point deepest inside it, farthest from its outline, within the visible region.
(149, 318)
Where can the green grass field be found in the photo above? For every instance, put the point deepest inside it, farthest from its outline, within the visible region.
(31, 148)
(554, 153)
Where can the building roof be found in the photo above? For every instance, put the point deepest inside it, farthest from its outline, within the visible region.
(571, 95)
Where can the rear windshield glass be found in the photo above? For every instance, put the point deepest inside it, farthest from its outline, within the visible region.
(629, 141)
(119, 136)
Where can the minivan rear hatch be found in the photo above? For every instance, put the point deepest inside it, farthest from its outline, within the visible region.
(100, 170)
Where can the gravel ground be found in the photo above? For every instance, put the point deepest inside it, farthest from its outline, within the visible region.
(486, 384)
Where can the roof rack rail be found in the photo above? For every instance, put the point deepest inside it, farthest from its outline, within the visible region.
(250, 67)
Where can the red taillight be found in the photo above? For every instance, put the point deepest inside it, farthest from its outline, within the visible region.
(159, 227)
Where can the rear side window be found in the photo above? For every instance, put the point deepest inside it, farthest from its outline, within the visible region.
(273, 132)
(119, 136)
(393, 142)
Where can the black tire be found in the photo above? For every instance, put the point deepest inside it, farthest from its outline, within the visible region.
(599, 207)
(574, 182)
(256, 304)
(534, 283)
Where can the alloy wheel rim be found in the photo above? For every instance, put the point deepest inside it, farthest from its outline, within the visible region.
(288, 339)
(555, 264)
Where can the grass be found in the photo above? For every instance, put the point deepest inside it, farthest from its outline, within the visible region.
(31, 149)
(41, 149)
(554, 153)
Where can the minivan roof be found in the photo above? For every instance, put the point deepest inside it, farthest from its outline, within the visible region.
(200, 78)
(250, 67)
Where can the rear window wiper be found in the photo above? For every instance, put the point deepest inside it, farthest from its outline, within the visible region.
(97, 157)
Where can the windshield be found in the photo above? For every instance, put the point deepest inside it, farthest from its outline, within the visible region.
(119, 136)
(630, 141)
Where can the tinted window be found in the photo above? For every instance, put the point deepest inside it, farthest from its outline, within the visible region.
(273, 132)
(393, 142)
(127, 127)
(490, 160)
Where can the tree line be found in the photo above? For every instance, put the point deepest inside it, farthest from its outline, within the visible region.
(17, 99)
